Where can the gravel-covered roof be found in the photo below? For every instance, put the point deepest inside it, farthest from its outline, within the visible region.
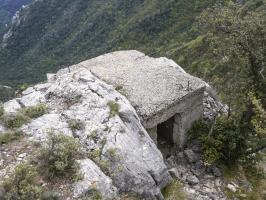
(150, 84)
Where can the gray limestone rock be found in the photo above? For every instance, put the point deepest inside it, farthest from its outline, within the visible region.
(2, 129)
(191, 156)
(152, 85)
(137, 166)
(12, 106)
(193, 180)
(93, 179)
(113, 124)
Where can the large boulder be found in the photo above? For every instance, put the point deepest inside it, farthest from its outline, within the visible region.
(110, 124)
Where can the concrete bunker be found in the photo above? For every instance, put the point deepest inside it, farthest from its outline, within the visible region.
(166, 98)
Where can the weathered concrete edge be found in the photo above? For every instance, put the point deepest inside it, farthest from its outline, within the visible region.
(173, 109)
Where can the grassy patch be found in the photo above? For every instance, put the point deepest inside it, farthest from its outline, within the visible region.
(35, 111)
(15, 121)
(75, 125)
(174, 191)
(240, 174)
(23, 184)
(114, 108)
(23, 116)
(10, 136)
(118, 87)
(57, 156)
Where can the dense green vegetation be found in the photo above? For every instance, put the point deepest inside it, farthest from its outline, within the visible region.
(23, 184)
(7, 10)
(57, 156)
(56, 33)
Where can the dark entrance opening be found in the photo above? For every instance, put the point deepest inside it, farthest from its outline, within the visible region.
(165, 136)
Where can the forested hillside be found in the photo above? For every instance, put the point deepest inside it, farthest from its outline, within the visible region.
(7, 9)
(53, 33)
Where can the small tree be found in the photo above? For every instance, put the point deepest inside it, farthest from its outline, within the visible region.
(58, 154)
(23, 184)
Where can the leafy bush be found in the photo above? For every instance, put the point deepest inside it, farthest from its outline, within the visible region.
(10, 136)
(23, 184)
(220, 141)
(15, 121)
(23, 116)
(114, 108)
(57, 156)
(35, 111)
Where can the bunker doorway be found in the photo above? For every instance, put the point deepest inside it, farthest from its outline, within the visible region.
(165, 140)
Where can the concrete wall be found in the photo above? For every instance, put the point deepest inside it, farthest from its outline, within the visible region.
(180, 106)
(186, 112)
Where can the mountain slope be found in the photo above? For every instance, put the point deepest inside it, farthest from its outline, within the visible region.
(54, 33)
(7, 9)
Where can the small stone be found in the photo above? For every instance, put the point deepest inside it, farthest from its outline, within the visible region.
(213, 196)
(231, 187)
(190, 191)
(51, 77)
(28, 91)
(191, 156)
(216, 172)
(192, 180)
(243, 195)
(171, 161)
(181, 160)
(174, 173)
(22, 155)
(2, 129)
(11, 106)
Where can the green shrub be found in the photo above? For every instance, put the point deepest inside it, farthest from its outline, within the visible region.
(35, 111)
(114, 108)
(174, 190)
(23, 184)
(118, 87)
(75, 125)
(10, 136)
(23, 116)
(93, 194)
(220, 141)
(15, 121)
(57, 156)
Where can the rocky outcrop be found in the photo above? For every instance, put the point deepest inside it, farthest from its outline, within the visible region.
(112, 127)
(213, 107)
(136, 165)
(201, 181)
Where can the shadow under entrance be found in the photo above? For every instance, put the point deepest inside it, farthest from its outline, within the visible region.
(165, 136)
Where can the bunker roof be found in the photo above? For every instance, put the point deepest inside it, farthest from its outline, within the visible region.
(152, 85)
